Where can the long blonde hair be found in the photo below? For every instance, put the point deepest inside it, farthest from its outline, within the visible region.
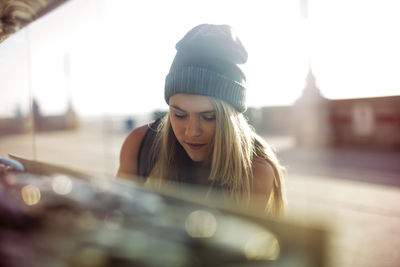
(235, 146)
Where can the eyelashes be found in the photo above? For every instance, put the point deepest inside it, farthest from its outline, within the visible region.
(209, 117)
(205, 117)
(179, 116)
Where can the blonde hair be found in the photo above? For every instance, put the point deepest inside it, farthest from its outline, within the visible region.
(235, 146)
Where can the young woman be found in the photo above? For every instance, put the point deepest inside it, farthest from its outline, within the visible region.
(205, 139)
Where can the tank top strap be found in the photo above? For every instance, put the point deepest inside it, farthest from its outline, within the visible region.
(146, 155)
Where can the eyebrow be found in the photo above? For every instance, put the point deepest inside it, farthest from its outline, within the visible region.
(202, 112)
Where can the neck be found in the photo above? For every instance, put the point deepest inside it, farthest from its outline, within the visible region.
(202, 164)
(202, 172)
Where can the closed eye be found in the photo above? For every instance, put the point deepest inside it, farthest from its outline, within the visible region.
(180, 116)
(209, 117)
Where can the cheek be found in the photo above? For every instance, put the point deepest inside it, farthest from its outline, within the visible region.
(176, 127)
(210, 130)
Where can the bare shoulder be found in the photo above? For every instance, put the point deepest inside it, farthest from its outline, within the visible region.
(135, 137)
(263, 176)
(129, 152)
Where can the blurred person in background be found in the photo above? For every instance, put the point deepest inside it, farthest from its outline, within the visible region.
(204, 139)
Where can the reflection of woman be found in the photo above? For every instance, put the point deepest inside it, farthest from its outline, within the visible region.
(205, 139)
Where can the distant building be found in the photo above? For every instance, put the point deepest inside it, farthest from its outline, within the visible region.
(360, 122)
(372, 123)
(310, 115)
(38, 122)
(13, 125)
(366, 122)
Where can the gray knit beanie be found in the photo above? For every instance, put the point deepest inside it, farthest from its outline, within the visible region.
(206, 63)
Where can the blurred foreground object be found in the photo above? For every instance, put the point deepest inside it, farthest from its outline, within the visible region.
(16, 14)
(10, 165)
(58, 219)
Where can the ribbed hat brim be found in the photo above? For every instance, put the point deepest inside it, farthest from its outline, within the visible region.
(195, 80)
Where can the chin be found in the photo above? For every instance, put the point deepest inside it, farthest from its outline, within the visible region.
(196, 158)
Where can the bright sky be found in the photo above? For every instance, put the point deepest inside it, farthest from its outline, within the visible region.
(119, 51)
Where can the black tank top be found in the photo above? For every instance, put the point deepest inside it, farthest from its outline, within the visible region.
(147, 158)
(147, 153)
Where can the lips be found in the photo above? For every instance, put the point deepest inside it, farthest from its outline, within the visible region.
(194, 146)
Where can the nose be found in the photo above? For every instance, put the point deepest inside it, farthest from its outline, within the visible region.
(193, 128)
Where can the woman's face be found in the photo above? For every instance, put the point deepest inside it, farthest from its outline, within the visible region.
(193, 122)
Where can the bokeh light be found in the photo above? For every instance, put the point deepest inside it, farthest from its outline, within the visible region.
(262, 246)
(30, 195)
(61, 184)
(201, 224)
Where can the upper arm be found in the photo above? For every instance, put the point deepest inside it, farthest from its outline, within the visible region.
(128, 159)
(263, 181)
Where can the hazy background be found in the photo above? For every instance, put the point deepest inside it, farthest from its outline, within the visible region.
(111, 57)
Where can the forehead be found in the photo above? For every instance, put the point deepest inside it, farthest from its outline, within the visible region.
(191, 103)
